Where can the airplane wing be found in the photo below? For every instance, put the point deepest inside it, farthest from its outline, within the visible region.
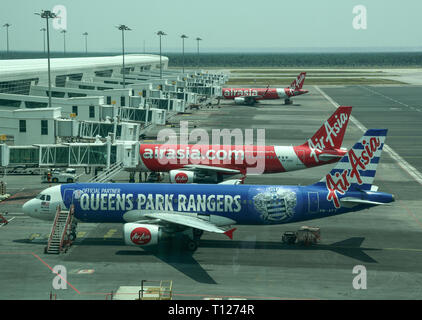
(188, 221)
(359, 201)
(200, 167)
(327, 156)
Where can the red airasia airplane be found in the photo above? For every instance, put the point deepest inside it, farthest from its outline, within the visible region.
(250, 96)
(213, 163)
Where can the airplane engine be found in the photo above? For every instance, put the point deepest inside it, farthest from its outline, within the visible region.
(181, 176)
(136, 234)
(239, 100)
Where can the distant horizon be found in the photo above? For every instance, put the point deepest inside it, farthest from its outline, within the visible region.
(333, 50)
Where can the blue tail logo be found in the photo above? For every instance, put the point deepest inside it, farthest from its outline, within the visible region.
(356, 170)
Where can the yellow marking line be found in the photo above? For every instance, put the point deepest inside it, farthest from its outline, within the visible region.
(110, 233)
(80, 234)
(33, 236)
(403, 249)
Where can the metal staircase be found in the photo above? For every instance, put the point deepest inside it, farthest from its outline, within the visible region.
(62, 231)
(108, 173)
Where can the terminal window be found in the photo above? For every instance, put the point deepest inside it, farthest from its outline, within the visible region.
(44, 127)
(91, 111)
(22, 125)
(75, 110)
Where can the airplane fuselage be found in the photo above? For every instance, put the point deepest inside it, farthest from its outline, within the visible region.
(219, 204)
(262, 93)
(266, 159)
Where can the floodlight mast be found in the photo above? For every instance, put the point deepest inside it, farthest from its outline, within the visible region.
(160, 34)
(86, 41)
(183, 36)
(198, 39)
(123, 28)
(7, 25)
(47, 14)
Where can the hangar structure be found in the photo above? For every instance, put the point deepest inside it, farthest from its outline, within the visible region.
(95, 119)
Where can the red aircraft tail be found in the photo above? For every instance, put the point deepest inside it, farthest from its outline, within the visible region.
(298, 82)
(331, 133)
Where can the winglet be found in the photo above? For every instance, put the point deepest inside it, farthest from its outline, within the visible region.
(229, 233)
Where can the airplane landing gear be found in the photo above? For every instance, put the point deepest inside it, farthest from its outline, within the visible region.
(197, 234)
(191, 245)
(288, 101)
(192, 237)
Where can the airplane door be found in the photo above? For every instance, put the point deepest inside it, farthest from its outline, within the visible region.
(68, 196)
(313, 202)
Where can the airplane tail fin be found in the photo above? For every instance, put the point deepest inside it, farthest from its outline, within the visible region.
(330, 134)
(356, 170)
(298, 82)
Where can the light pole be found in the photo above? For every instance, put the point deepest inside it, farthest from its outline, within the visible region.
(86, 41)
(198, 39)
(123, 28)
(183, 36)
(43, 30)
(64, 40)
(7, 25)
(48, 15)
(161, 33)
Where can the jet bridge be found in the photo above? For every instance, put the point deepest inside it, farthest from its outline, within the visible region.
(74, 155)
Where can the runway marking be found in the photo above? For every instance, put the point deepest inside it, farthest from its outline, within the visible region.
(44, 263)
(8, 221)
(391, 99)
(412, 171)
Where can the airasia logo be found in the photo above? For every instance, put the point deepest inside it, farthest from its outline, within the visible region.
(341, 186)
(299, 80)
(181, 177)
(239, 92)
(331, 133)
(140, 236)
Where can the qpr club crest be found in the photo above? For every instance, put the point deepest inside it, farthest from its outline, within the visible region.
(275, 204)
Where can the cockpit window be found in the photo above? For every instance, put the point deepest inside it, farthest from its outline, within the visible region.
(43, 197)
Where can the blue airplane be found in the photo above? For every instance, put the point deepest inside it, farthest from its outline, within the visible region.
(152, 212)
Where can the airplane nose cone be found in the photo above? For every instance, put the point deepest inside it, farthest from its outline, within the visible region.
(26, 208)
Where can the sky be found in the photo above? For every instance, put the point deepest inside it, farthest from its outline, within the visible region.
(224, 25)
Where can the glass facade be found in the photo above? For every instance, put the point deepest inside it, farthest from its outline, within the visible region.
(17, 86)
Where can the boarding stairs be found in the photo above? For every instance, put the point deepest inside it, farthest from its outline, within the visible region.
(108, 173)
(60, 238)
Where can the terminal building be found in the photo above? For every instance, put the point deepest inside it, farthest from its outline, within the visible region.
(99, 111)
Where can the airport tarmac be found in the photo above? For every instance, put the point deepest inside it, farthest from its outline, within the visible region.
(255, 265)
